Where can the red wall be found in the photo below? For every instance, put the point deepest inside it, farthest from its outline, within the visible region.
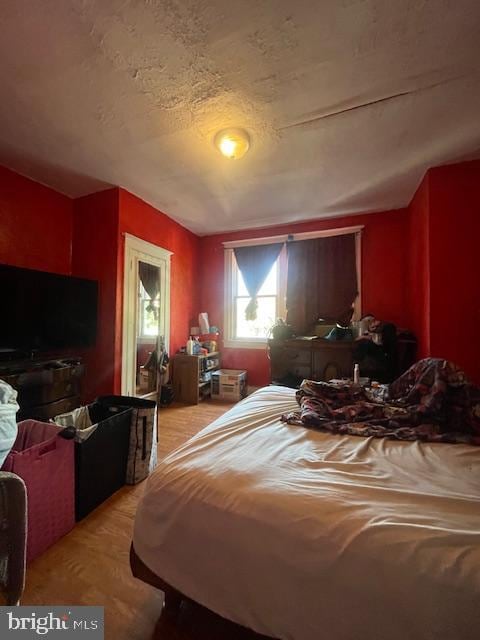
(35, 225)
(418, 281)
(454, 264)
(100, 222)
(384, 269)
(144, 221)
(95, 247)
(443, 265)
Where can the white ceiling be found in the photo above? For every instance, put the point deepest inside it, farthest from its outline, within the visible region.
(347, 101)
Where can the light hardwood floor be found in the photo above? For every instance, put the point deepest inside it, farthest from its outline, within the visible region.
(90, 565)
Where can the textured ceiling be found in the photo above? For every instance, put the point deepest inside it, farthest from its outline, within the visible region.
(347, 102)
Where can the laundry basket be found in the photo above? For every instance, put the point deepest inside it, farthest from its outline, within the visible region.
(142, 455)
(45, 462)
(102, 436)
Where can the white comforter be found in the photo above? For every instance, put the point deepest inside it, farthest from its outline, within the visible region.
(304, 535)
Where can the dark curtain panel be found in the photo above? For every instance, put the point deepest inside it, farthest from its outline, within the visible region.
(150, 277)
(255, 264)
(321, 281)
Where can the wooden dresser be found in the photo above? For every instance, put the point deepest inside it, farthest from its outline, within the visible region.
(291, 361)
(45, 388)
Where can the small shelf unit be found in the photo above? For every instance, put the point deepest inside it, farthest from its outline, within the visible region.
(192, 376)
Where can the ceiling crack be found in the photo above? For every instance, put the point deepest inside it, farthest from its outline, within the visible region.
(394, 96)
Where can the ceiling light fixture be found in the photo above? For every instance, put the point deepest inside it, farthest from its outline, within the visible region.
(232, 143)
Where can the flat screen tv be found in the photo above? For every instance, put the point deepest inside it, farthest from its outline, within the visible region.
(43, 311)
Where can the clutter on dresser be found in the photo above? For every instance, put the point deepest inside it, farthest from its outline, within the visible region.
(381, 351)
(281, 330)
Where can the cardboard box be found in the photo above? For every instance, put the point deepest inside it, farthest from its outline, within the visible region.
(146, 380)
(229, 384)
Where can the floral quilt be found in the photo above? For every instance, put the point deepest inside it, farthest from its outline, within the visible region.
(432, 401)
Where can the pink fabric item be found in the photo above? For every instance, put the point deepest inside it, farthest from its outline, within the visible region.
(45, 462)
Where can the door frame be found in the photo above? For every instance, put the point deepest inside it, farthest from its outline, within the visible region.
(137, 250)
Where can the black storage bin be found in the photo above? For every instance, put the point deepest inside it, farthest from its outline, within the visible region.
(142, 456)
(101, 459)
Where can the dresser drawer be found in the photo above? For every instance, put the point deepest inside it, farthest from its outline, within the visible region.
(292, 361)
(331, 363)
(290, 364)
(50, 410)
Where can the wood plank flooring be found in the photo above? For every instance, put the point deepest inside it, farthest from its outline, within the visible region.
(90, 565)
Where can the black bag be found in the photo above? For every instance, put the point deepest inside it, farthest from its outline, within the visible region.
(142, 455)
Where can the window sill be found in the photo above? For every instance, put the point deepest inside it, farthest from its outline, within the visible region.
(239, 343)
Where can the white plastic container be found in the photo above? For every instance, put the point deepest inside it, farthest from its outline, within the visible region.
(229, 384)
(356, 374)
(203, 322)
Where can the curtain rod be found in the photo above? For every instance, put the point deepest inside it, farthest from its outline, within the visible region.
(289, 237)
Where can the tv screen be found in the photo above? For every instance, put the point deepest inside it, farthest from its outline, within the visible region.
(46, 311)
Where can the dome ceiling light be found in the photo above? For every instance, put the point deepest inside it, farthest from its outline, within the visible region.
(232, 143)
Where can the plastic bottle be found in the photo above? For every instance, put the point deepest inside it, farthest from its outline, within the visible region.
(190, 346)
(356, 374)
(197, 347)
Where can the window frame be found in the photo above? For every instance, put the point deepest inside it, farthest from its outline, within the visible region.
(230, 283)
(231, 275)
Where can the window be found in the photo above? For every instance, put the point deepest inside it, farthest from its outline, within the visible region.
(240, 332)
(270, 299)
(148, 310)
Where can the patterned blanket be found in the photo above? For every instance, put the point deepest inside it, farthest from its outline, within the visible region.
(432, 401)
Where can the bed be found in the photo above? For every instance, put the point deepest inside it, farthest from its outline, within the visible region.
(302, 535)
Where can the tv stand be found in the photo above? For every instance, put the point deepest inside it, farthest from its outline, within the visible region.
(46, 387)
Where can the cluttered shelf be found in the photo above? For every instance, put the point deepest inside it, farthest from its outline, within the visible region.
(192, 375)
(196, 368)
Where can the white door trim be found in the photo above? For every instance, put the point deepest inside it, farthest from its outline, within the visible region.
(140, 250)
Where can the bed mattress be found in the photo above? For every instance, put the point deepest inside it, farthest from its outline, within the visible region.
(302, 535)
